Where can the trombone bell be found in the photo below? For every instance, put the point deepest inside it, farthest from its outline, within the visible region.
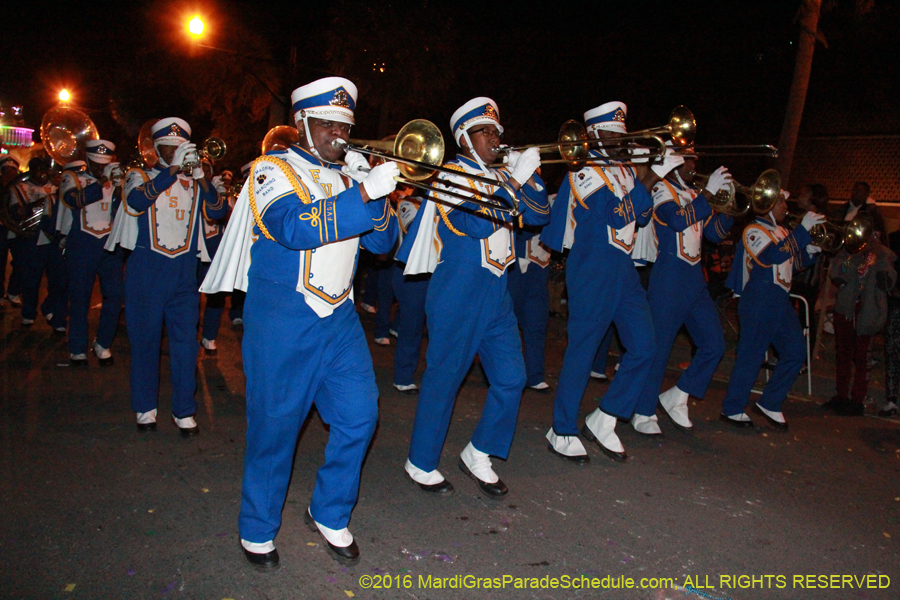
(421, 141)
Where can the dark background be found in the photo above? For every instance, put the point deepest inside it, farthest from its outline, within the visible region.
(730, 62)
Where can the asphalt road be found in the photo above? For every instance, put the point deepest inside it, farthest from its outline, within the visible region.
(93, 509)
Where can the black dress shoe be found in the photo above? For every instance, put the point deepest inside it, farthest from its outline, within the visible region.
(494, 491)
(346, 555)
(210, 351)
(834, 404)
(146, 426)
(739, 424)
(443, 489)
(106, 362)
(581, 459)
(589, 436)
(187, 432)
(266, 563)
(776, 424)
(78, 362)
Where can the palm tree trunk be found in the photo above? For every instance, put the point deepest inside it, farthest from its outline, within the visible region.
(809, 23)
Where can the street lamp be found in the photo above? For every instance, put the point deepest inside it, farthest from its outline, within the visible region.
(195, 26)
(64, 95)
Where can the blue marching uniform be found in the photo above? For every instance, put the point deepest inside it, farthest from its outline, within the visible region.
(528, 281)
(161, 282)
(303, 341)
(761, 276)
(470, 312)
(215, 303)
(597, 211)
(40, 253)
(678, 293)
(411, 291)
(92, 207)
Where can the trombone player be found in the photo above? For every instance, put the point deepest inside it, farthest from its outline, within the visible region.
(596, 213)
(468, 305)
(761, 276)
(678, 294)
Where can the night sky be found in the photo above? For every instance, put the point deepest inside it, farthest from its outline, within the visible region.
(730, 62)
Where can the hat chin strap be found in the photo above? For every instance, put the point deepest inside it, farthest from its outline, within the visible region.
(481, 165)
(159, 157)
(312, 146)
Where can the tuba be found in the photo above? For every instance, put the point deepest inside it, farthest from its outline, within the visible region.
(25, 218)
(65, 132)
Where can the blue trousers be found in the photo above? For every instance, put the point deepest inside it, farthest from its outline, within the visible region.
(469, 312)
(601, 359)
(591, 311)
(384, 275)
(678, 296)
(531, 301)
(87, 260)
(767, 319)
(293, 358)
(159, 292)
(215, 306)
(410, 323)
(36, 260)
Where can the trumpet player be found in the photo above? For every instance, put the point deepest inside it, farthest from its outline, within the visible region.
(761, 276)
(468, 304)
(93, 194)
(678, 294)
(161, 283)
(596, 213)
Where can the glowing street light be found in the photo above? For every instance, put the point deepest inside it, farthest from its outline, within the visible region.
(64, 95)
(195, 26)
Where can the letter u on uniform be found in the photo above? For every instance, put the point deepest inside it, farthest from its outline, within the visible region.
(179, 214)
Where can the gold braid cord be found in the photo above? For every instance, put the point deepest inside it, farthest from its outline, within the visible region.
(291, 177)
(440, 208)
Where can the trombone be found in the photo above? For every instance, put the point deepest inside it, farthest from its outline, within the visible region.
(736, 200)
(419, 150)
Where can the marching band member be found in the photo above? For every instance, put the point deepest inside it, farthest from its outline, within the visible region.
(212, 232)
(40, 253)
(411, 291)
(9, 169)
(598, 210)
(303, 222)
(468, 305)
(528, 281)
(678, 294)
(92, 195)
(761, 276)
(161, 282)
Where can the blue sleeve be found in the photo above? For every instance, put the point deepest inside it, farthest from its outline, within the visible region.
(678, 217)
(142, 197)
(300, 226)
(385, 227)
(553, 234)
(90, 194)
(214, 206)
(533, 204)
(793, 246)
(717, 227)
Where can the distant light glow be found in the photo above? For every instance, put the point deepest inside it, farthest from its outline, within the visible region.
(64, 95)
(195, 26)
(19, 137)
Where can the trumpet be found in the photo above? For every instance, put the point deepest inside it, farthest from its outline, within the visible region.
(419, 151)
(831, 236)
(116, 176)
(213, 148)
(737, 200)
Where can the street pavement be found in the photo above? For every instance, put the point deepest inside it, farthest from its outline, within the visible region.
(92, 509)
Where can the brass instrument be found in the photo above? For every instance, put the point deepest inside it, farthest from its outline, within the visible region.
(419, 151)
(213, 148)
(147, 149)
(280, 137)
(737, 200)
(23, 220)
(831, 236)
(65, 132)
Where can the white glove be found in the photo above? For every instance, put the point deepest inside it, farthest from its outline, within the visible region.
(526, 164)
(718, 180)
(181, 152)
(108, 169)
(811, 219)
(197, 173)
(812, 249)
(671, 161)
(512, 158)
(380, 181)
(356, 162)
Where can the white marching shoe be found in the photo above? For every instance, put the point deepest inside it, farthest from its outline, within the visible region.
(429, 481)
(187, 426)
(675, 403)
(600, 427)
(104, 356)
(568, 447)
(645, 425)
(209, 347)
(338, 542)
(477, 465)
(146, 421)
